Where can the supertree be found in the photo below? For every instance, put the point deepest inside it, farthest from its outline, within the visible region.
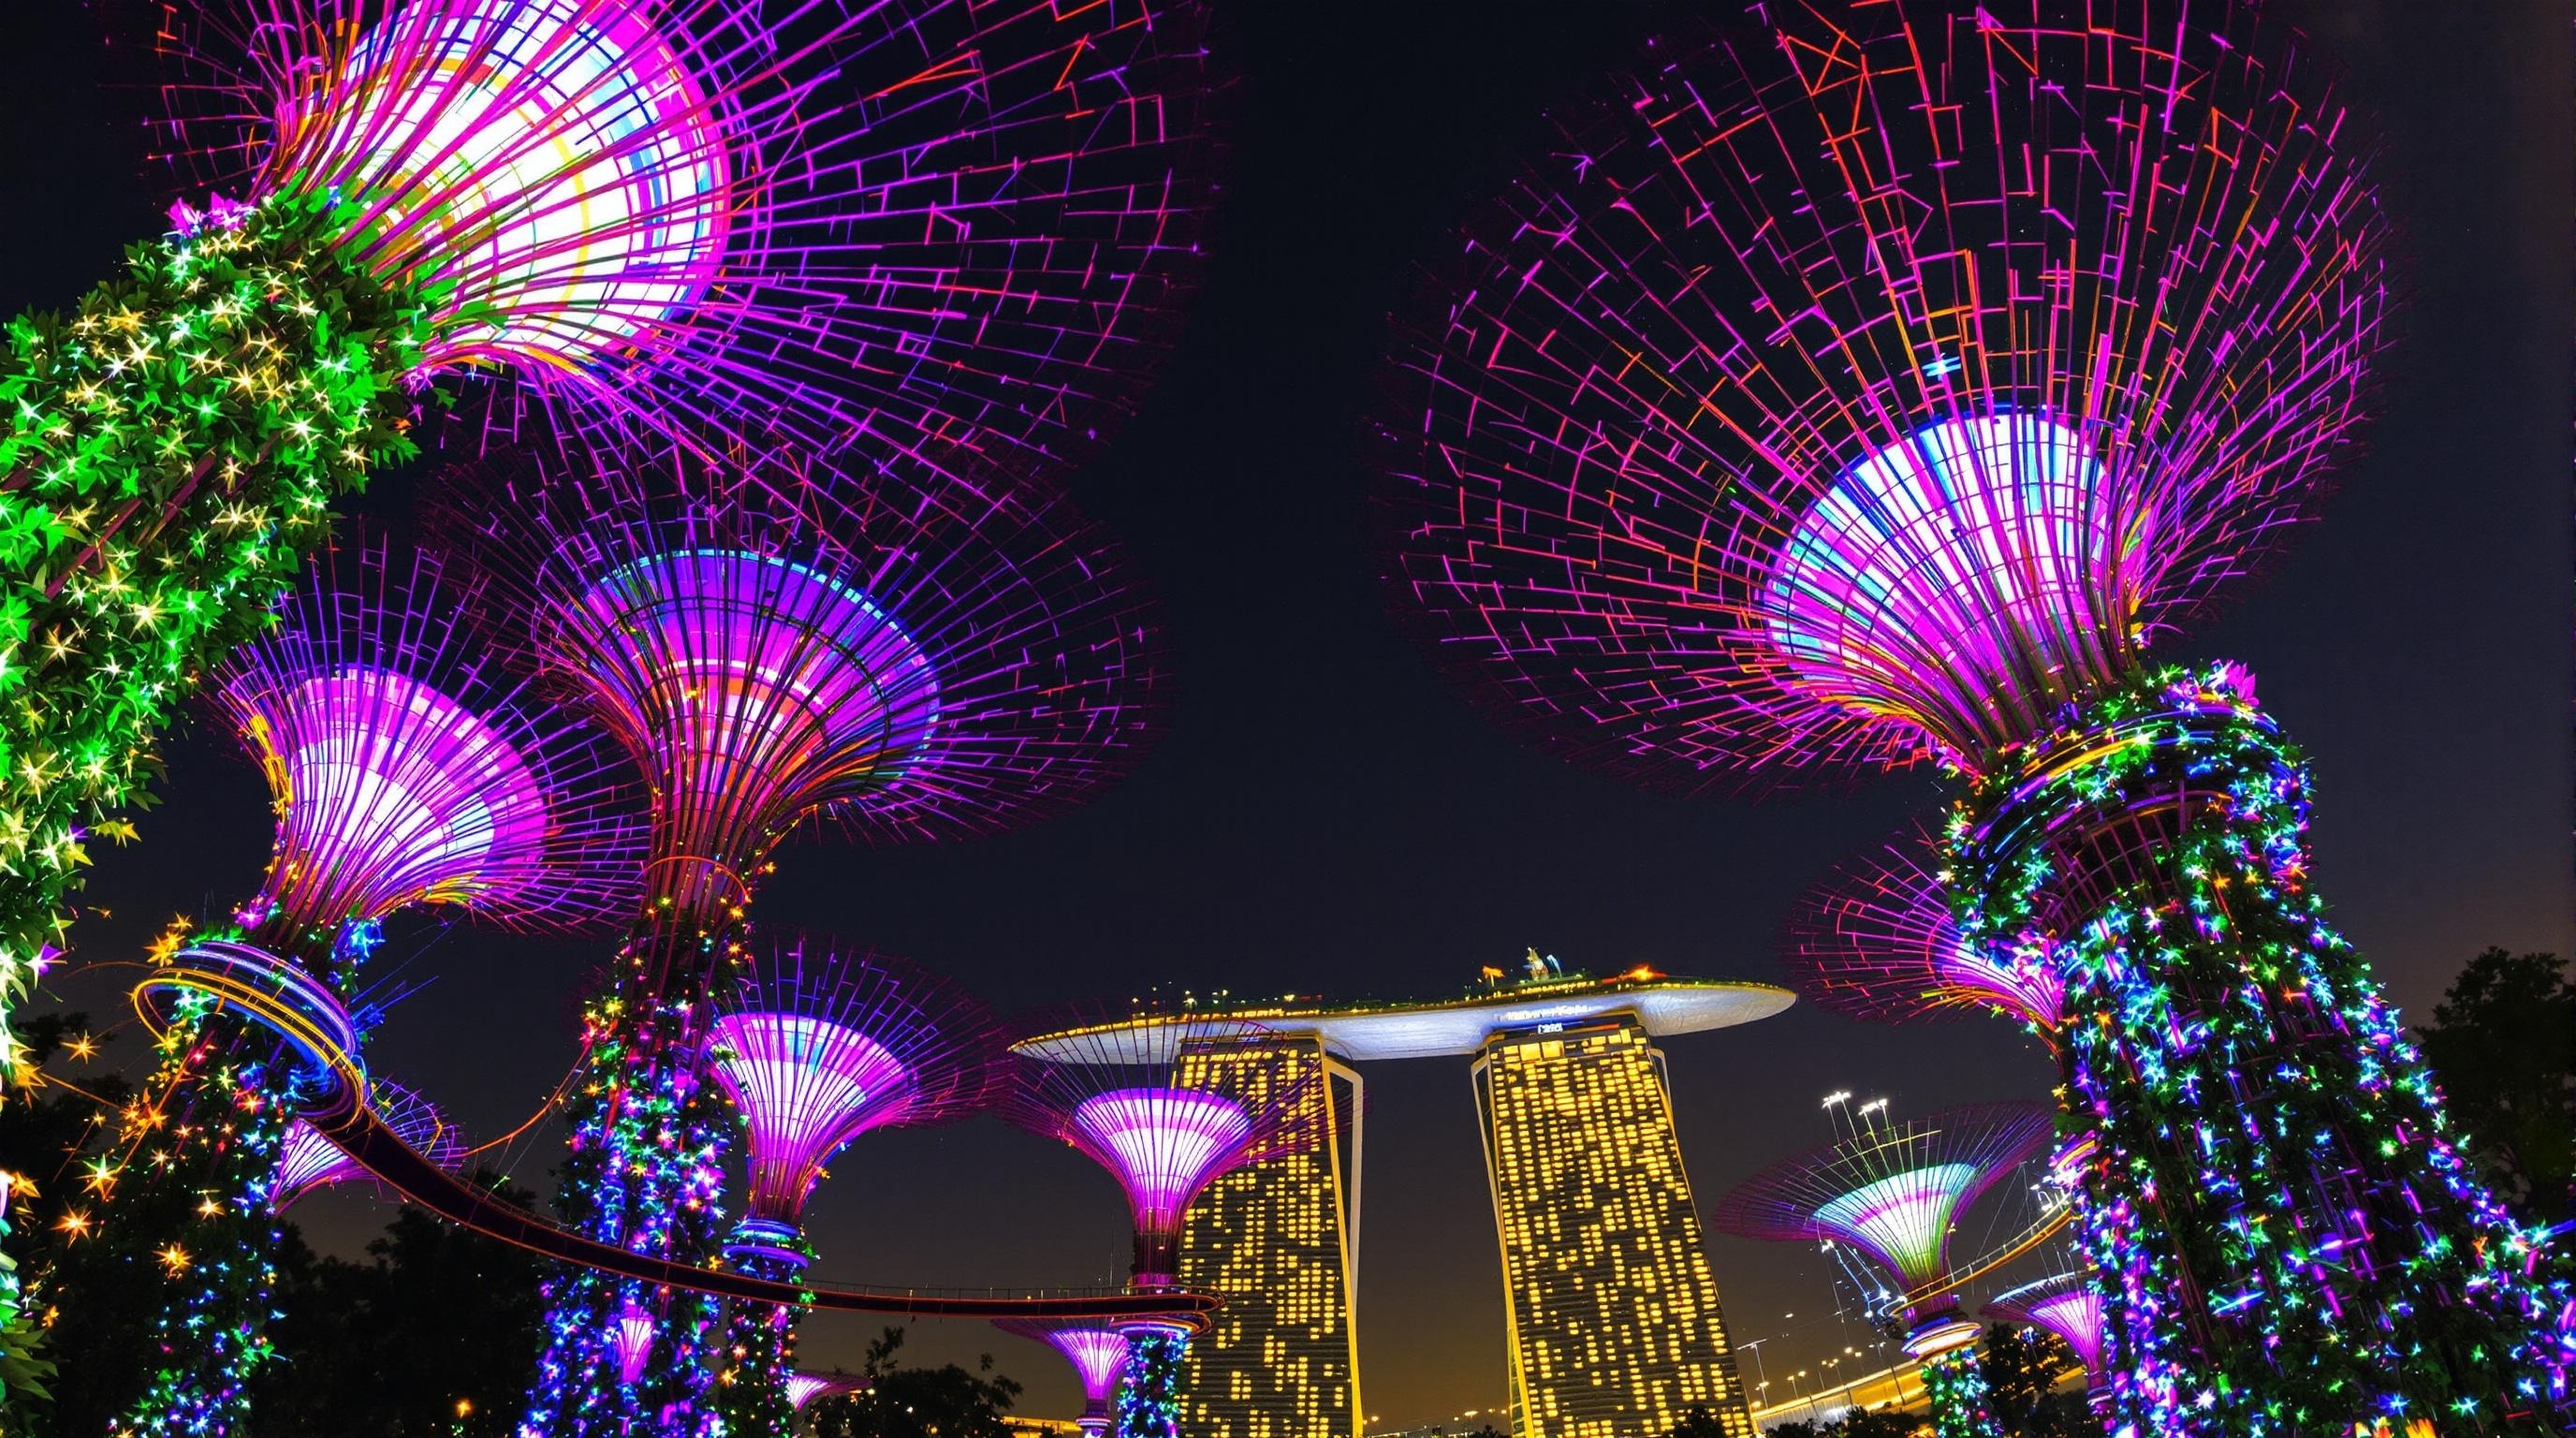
(1144, 1102)
(1868, 387)
(307, 1161)
(1893, 1191)
(2069, 1306)
(1878, 940)
(1098, 1353)
(903, 659)
(922, 229)
(816, 1046)
(407, 770)
(804, 1388)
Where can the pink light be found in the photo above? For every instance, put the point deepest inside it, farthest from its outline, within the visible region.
(1985, 550)
(2077, 1318)
(752, 686)
(389, 793)
(307, 1161)
(555, 160)
(1097, 1354)
(632, 1341)
(807, 1087)
(804, 1388)
(1165, 1144)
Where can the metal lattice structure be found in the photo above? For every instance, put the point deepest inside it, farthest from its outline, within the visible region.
(819, 1044)
(1878, 940)
(930, 227)
(904, 660)
(2067, 1305)
(408, 767)
(1122, 1096)
(1858, 389)
(1894, 1190)
(308, 1161)
(1098, 1353)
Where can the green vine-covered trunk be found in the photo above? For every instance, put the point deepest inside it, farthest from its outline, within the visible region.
(760, 1356)
(1149, 1392)
(2287, 1237)
(650, 1140)
(170, 451)
(1955, 1386)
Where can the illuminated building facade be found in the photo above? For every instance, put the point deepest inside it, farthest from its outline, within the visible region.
(1281, 1241)
(1614, 1327)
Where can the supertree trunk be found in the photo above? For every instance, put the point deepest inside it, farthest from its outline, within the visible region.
(650, 1141)
(170, 450)
(760, 1356)
(1955, 1386)
(2288, 1239)
(1149, 1396)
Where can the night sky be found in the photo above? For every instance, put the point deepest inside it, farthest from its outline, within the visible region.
(1324, 816)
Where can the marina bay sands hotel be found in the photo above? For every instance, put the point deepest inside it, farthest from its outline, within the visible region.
(1612, 1311)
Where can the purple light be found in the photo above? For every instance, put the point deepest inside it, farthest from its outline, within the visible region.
(1878, 941)
(804, 1388)
(406, 770)
(1098, 1356)
(2066, 1304)
(1989, 552)
(1761, 433)
(1165, 1144)
(937, 233)
(1893, 1190)
(632, 1341)
(761, 687)
(391, 794)
(307, 1161)
(806, 1087)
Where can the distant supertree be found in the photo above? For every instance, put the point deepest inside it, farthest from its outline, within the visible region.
(2070, 1306)
(921, 229)
(1142, 1102)
(306, 1161)
(1893, 1191)
(407, 770)
(1097, 1352)
(1878, 940)
(815, 1047)
(804, 1388)
(904, 660)
(1869, 388)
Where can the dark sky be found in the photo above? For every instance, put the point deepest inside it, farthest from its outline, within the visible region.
(1324, 817)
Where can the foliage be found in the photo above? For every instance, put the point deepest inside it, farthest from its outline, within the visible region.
(1875, 1423)
(1698, 1422)
(352, 1339)
(2503, 1041)
(2021, 1367)
(169, 452)
(2234, 1059)
(943, 1402)
(1955, 1384)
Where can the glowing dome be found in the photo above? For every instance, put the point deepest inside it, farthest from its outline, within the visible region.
(1982, 555)
(1904, 1218)
(756, 687)
(555, 159)
(805, 1087)
(1165, 1145)
(391, 793)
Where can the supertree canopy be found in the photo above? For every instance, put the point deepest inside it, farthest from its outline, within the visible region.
(2069, 1306)
(1097, 1352)
(307, 1161)
(904, 660)
(407, 770)
(816, 1046)
(1894, 1191)
(920, 228)
(1142, 1102)
(1878, 940)
(1870, 386)
(804, 1388)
